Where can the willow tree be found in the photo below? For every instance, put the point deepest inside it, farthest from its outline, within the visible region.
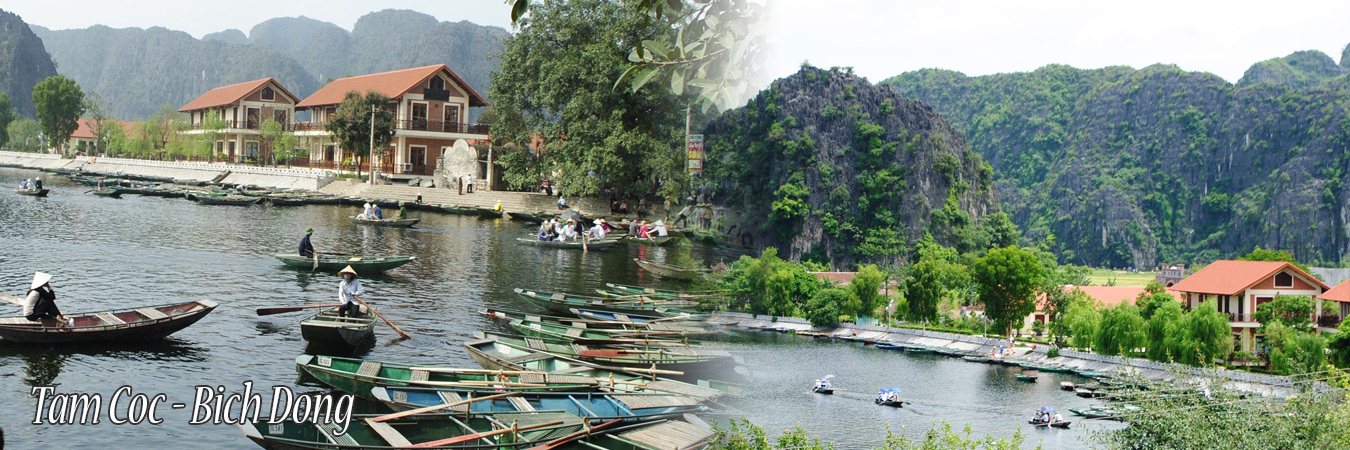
(557, 85)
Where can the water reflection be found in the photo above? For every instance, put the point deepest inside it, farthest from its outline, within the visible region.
(43, 364)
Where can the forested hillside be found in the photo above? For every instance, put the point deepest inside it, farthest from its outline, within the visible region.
(137, 71)
(828, 167)
(23, 62)
(1124, 167)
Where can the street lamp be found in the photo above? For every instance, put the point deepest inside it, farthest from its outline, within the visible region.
(372, 145)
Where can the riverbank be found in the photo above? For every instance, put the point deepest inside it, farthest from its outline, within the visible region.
(959, 344)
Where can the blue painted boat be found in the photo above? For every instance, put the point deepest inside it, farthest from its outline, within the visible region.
(593, 406)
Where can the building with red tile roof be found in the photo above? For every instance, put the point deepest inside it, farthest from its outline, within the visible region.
(1238, 287)
(1105, 296)
(244, 107)
(431, 107)
(85, 139)
(1341, 296)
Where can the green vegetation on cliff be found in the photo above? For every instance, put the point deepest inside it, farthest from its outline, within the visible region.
(23, 62)
(830, 168)
(1122, 167)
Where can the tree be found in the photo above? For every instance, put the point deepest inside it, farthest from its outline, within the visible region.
(823, 309)
(866, 287)
(1294, 311)
(1057, 302)
(1007, 280)
(1082, 320)
(59, 103)
(924, 290)
(272, 133)
(1201, 336)
(101, 121)
(1293, 351)
(1154, 296)
(1339, 346)
(1163, 322)
(1262, 254)
(351, 125)
(595, 137)
(25, 134)
(1122, 331)
(212, 124)
(6, 117)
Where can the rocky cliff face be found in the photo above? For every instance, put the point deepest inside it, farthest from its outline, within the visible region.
(1124, 167)
(24, 62)
(827, 166)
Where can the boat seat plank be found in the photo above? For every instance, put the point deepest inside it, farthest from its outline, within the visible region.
(574, 332)
(390, 435)
(520, 404)
(18, 321)
(369, 369)
(109, 318)
(535, 343)
(558, 296)
(330, 430)
(655, 401)
(673, 434)
(574, 379)
(698, 392)
(420, 375)
(531, 378)
(152, 313)
(448, 397)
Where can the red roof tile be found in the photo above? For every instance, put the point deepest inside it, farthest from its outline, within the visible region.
(837, 278)
(1228, 277)
(226, 95)
(1340, 293)
(1108, 296)
(86, 129)
(392, 84)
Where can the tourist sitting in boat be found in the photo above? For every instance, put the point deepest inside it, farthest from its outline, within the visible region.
(598, 231)
(37, 183)
(644, 230)
(402, 211)
(23, 184)
(100, 183)
(569, 231)
(239, 188)
(41, 300)
(307, 249)
(349, 290)
(378, 214)
(660, 229)
(545, 231)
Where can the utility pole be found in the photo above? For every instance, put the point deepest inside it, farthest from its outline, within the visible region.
(372, 145)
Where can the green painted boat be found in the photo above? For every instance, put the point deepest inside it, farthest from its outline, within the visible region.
(623, 330)
(357, 376)
(107, 192)
(370, 431)
(562, 303)
(607, 336)
(459, 210)
(534, 217)
(328, 327)
(593, 406)
(399, 223)
(694, 363)
(500, 352)
(230, 200)
(653, 241)
(1027, 378)
(489, 213)
(670, 271)
(625, 290)
(32, 192)
(334, 263)
(599, 244)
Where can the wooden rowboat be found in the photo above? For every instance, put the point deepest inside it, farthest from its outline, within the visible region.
(358, 376)
(670, 271)
(334, 263)
(107, 192)
(32, 192)
(375, 431)
(559, 302)
(1056, 424)
(575, 245)
(151, 322)
(823, 390)
(328, 328)
(1027, 378)
(386, 222)
(653, 241)
(536, 217)
(234, 200)
(593, 406)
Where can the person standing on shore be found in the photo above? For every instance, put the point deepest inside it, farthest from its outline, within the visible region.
(41, 300)
(349, 290)
(307, 249)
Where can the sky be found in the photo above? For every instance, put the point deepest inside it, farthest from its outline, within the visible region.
(879, 38)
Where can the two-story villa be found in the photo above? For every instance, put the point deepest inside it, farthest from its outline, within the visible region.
(244, 107)
(431, 108)
(1239, 286)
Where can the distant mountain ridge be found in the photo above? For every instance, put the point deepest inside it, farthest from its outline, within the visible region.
(24, 62)
(139, 70)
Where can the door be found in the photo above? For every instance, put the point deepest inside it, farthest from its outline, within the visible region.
(419, 116)
(452, 118)
(252, 123)
(417, 157)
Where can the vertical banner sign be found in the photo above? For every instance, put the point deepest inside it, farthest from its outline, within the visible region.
(695, 148)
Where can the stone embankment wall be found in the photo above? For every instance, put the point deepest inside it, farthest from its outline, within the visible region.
(1271, 385)
(186, 171)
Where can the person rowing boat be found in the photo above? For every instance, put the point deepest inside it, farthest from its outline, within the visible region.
(349, 291)
(306, 249)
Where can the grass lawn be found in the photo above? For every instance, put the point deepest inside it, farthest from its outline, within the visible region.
(1103, 277)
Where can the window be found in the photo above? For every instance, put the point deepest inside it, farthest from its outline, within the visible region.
(251, 150)
(268, 93)
(419, 116)
(1284, 280)
(437, 84)
(452, 118)
(279, 115)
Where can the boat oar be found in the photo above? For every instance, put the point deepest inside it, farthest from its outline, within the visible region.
(316, 262)
(413, 412)
(586, 431)
(286, 309)
(476, 436)
(11, 299)
(381, 316)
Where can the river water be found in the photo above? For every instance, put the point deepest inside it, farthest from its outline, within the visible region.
(139, 251)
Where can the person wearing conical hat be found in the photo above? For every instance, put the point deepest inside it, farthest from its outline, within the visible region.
(660, 228)
(349, 291)
(41, 300)
(598, 231)
(306, 249)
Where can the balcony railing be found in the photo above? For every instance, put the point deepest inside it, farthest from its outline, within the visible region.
(443, 127)
(245, 125)
(1329, 320)
(1235, 317)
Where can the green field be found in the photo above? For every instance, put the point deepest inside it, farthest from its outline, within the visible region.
(1103, 277)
